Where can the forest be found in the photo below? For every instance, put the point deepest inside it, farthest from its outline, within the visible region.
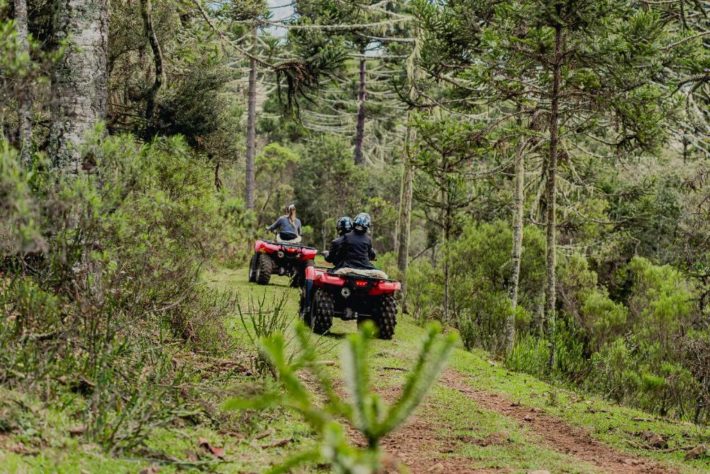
(537, 179)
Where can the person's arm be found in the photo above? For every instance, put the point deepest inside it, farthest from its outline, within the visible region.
(371, 252)
(275, 225)
(333, 252)
(298, 226)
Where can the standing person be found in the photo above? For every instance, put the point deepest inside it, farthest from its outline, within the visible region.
(343, 226)
(356, 250)
(288, 227)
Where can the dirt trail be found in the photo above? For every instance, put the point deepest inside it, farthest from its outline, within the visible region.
(555, 433)
(421, 446)
(426, 446)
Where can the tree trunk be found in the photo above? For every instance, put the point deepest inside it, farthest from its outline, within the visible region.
(446, 195)
(360, 129)
(251, 131)
(447, 270)
(551, 197)
(147, 14)
(25, 94)
(518, 207)
(405, 218)
(79, 82)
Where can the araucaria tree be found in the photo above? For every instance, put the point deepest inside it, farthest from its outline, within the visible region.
(588, 66)
(444, 154)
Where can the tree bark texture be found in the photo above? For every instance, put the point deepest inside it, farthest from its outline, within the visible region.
(251, 132)
(361, 99)
(551, 197)
(79, 82)
(25, 95)
(517, 248)
(405, 217)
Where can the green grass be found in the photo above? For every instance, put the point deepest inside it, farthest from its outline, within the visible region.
(454, 416)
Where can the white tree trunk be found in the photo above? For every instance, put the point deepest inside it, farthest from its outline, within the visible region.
(79, 82)
(251, 132)
(517, 250)
(405, 217)
(551, 197)
(25, 97)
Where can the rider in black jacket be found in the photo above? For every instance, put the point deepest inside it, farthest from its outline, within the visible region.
(343, 226)
(356, 247)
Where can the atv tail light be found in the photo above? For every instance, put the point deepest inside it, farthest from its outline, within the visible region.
(331, 279)
(383, 287)
(308, 254)
(360, 283)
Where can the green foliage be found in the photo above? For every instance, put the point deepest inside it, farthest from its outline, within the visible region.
(115, 294)
(479, 290)
(330, 185)
(365, 410)
(630, 349)
(275, 165)
(19, 231)
(261, 321)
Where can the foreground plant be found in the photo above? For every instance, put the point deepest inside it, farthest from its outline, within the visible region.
(364, 410)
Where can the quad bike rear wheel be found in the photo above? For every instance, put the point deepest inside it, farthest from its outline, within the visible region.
(386, 317)
(264, 267)
(320, 316)
(252, 267)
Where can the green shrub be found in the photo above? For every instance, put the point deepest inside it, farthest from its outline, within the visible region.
(480, 276)
(115, 294)
(530, 354)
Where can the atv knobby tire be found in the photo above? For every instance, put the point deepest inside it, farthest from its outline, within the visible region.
(320, 317)
(264, 267)
(386, 318)
(252, 267)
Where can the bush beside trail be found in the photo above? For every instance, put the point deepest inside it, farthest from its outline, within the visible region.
(101, 281)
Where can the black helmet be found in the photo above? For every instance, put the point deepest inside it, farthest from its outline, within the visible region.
(361, 223)
(344, 225)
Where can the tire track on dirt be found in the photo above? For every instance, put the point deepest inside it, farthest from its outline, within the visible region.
(556, 433)
(419, 445)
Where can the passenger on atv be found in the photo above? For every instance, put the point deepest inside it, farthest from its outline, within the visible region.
(343, 226)
(355, 251)
(287, 227)
(354, 290)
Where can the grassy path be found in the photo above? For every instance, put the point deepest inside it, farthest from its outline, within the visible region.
(483, 418)
(479, 418)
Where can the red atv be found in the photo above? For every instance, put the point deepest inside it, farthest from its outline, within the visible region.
(280, 258)
(326, 295)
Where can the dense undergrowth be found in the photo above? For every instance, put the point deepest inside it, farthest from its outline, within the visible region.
(640, 337)
(101, 290)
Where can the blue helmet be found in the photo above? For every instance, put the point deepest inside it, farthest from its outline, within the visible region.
(344, 225)
(361, 223)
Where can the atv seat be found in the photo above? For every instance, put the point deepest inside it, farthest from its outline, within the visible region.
(291, 244)
(376, 274)
(296, 241)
